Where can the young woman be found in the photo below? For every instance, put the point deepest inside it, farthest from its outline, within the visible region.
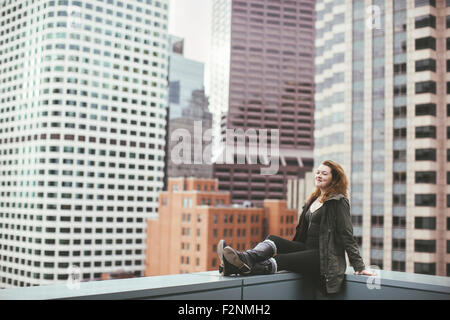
(323, 235)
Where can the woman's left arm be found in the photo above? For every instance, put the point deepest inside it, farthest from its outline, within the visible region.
(344, 230)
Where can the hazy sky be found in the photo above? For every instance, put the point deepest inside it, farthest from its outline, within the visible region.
(191, 20)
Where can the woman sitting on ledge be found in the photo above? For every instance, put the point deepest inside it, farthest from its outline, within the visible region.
(323, 235)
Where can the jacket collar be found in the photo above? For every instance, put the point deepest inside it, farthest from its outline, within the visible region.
(336, 197)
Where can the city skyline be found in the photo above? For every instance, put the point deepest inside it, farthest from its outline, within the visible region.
(85, 87)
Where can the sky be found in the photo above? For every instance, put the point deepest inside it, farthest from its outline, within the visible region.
(191, 20)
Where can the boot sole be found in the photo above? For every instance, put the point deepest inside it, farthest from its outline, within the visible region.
(220, 247)
(232, 257)
(225, 268)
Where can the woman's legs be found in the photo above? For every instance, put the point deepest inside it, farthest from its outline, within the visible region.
(294, 256)
(286, 246)
(290, 255)
(246, 260)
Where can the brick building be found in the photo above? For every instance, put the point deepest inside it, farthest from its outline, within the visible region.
(194, 216)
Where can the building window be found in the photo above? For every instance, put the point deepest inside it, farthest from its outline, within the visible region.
(425, 200)
(427, 20)
(398, 266)
(400, 68)
(428, 246)
(400, 112)
(426, 87)
(399, 177)
(421, 3)
(399, 200)
(427, 223)
(399, 133)
(426, 65)
(376, 243)
(425, 176)
(399, 155)
(426, 109)
(399, 222)
(426, 43)
(400, 90)
(426, 132)
(425, 268)
(427, 154)
(398, 244)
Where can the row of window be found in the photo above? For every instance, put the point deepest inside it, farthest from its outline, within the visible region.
(419, 267)
(429, 20)
(82, 150)
(425, 154)
(428, 154)
(428, 64)
(68, 218)
(421, 132)
(229, 232)
(69, 207)
(62, 230)
(422, 246)
(420, 177)
(65, 276)
(420, 200)
(420, 223)
(66, 242)
(276, 6)
(74, 253)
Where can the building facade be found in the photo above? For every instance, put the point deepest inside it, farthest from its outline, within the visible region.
(189, 123)
(83, 98)
(189, 140)
(267, 48)
(185, 77)
(195, 215)
(382, 111)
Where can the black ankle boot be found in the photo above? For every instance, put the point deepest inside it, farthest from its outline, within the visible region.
(225, 268)
(265, 267)
(244, 261)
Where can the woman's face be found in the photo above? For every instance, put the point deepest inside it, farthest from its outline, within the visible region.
(323, 177)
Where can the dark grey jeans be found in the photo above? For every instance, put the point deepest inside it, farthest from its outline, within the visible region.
(294, 256)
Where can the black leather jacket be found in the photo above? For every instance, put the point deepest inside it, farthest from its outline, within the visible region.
(335, 238)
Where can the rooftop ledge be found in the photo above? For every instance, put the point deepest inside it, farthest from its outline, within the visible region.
(212, 286)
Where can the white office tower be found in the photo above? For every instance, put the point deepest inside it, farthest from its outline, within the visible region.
(83, 91)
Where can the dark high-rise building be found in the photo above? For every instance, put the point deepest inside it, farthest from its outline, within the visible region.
(262, 78)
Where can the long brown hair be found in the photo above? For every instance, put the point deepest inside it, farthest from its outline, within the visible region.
(338, 184)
